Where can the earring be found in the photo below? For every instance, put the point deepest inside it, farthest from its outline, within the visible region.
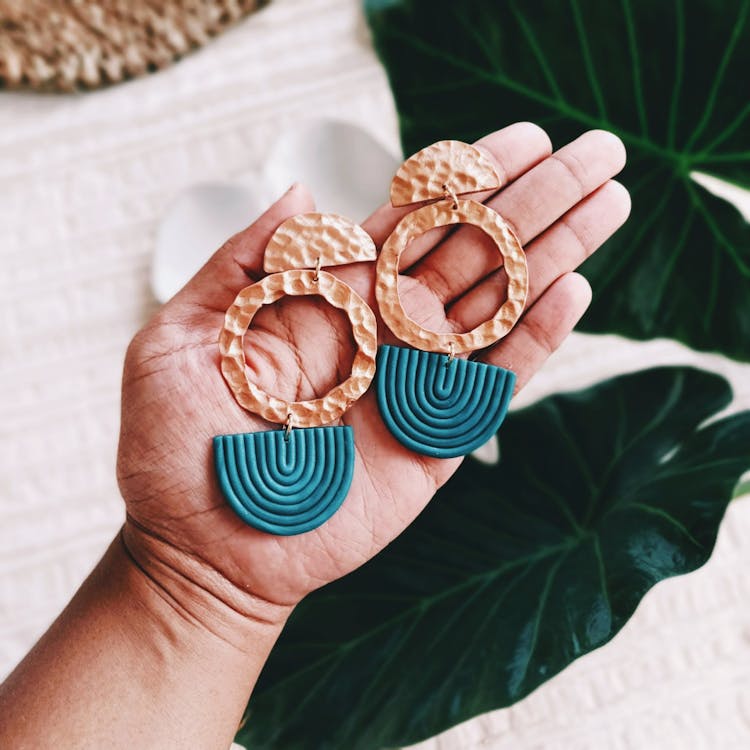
(432, 402)
(292, 480)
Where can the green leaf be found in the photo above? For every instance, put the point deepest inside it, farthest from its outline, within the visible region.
(668, 76)
(513, 570)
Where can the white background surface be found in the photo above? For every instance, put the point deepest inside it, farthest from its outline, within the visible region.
(84, 181)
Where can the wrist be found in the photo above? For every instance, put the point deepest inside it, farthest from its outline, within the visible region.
(150, 653)
(189, 592)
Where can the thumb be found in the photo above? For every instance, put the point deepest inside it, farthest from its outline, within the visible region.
(239, 261)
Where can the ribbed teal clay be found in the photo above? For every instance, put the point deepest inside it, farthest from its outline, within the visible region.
(440, 408)
(285, 486)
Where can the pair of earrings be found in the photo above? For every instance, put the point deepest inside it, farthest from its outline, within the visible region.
(291, 480)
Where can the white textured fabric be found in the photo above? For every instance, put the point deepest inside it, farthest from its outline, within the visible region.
(84, 181)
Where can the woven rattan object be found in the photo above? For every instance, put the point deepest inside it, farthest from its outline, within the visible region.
(62, 45)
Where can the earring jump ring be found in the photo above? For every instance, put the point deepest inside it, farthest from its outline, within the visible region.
(451, 195)
(451, 354)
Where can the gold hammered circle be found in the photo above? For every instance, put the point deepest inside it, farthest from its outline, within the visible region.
(438, 215)
(298, 283)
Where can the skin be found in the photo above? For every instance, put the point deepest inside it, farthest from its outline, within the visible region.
(165, 640)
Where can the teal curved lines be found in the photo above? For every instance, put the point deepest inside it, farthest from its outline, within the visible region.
(285, 486)
(439, 409)
(277, 489)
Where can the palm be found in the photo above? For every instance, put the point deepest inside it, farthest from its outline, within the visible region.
(175, 399)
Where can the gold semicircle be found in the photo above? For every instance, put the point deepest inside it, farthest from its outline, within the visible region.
(307, 239)
(460, 166)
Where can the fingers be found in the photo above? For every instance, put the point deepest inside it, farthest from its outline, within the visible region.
(239, 261)
(542, 328)
(560, 249)
(513, 150)
(530, 204)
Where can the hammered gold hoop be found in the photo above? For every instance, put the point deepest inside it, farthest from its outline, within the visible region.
(315, 412)
(441, 214)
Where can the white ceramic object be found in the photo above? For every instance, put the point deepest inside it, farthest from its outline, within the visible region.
(347, 170)
(739, 197)
(489, 453)
(194, 226)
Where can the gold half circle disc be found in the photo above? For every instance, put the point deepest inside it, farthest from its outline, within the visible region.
(305, 240)
(461, 167)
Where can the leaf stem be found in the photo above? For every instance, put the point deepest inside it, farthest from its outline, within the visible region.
(538, 53)
(719, 77)
(679, 65)
(637, 86)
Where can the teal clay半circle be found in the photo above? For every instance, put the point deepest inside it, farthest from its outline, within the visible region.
(285, 485)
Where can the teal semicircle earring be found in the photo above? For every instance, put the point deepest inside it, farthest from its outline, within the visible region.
(437, 408)
(433, 402)
(285, 485)
(293, 479)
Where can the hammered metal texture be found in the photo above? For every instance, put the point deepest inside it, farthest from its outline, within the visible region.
(438, 215)
(461, 167)
(298, 283)
(305, 239)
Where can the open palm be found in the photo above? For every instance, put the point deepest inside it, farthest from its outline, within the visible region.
(562, 206)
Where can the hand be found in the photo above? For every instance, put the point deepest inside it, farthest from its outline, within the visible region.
(562, 206)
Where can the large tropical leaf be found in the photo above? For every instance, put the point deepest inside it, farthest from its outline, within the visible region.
(670, 77)
(513, 570)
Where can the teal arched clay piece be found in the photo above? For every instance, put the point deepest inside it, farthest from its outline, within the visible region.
(285, 484)
(440, 408)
